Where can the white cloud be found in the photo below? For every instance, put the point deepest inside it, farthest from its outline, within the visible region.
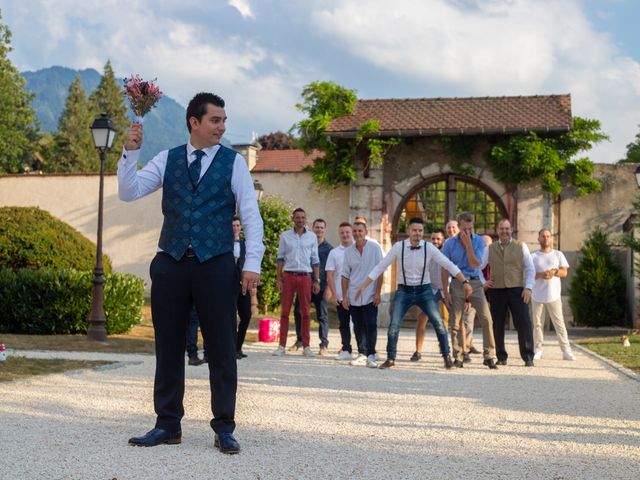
(497, 47)
(243, 7)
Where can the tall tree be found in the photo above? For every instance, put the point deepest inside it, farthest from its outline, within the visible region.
(109, 98)
(277, 141)
(74, 149)
(633, 151)
(18, 125)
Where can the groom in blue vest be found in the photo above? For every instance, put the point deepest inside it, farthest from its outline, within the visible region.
(202, 184)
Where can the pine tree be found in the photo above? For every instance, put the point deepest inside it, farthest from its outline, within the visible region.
(597, 290)
(74, 149)
(18, 125)
(109, 98)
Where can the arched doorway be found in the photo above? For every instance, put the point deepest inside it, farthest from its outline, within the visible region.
(441, 198)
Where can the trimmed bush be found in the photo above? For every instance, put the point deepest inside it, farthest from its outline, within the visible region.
(597, 290)
(50, 302)
(33, 238)
(276, 215)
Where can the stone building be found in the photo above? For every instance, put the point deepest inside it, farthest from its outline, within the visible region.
(416, 178)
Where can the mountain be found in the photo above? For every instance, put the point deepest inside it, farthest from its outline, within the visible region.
(164, 126)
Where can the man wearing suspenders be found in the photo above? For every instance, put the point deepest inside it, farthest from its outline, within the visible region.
(414, 256)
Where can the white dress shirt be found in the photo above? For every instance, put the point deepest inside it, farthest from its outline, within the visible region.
(335, 260)
(134, 184)
(298, 252)
(356, 267)
(414, 262)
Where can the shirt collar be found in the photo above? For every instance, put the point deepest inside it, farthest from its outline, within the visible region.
(209, 151)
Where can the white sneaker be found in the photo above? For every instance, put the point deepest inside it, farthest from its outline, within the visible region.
(279, 352)
(344, 355)
(359, 361)
(306, 351)
(568, 356)
(537, 355)
(371, 361)
(377, 358)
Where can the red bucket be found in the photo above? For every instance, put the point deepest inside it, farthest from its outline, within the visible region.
(269, 330)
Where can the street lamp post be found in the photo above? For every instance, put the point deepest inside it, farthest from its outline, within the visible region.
(103, 135)
(259, 190)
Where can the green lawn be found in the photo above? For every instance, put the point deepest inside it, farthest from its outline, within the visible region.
(611, 348)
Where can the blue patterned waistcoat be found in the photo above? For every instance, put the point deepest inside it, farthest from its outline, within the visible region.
(198, 215)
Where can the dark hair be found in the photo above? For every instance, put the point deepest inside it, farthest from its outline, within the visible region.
(544, 230)
(356, 223)
(319, 220)
(198, 106)
(345, 224)
(299, 209)
(235, 219)
(416, 220)
(465, 217)
(437, 230)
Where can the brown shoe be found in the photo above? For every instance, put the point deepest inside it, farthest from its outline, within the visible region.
(323, 351)
(388, 363)
(448, 363)
(295, 347)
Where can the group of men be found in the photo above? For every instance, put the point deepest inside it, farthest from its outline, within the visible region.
(205, 184)
(451, 280)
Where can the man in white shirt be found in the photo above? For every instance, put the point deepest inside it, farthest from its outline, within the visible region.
(512, 278)
(195, 262)
(550, 266)
(359, 260)
(333, 294)
(437, 239)
(297, 262)
(413, 258)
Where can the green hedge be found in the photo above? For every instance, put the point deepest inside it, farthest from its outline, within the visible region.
(49, 302)
(33, 238)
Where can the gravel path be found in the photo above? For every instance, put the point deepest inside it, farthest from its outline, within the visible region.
(317, 418)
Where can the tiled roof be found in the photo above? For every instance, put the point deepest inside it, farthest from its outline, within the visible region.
(283, 160)
(458, 116)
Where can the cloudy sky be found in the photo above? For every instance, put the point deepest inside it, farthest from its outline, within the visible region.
(258, 54)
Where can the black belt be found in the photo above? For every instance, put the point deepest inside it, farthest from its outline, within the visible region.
(412, 288)
(469, 278)
(297, 274)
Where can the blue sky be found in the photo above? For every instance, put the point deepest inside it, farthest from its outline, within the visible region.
(258, 54)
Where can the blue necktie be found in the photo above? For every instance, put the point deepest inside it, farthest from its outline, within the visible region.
(195, 166)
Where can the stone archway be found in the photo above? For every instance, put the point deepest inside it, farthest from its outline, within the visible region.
(440, 198)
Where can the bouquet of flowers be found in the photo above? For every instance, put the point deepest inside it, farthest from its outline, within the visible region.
(142, 95)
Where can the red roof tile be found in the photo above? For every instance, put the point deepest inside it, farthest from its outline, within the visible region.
(458, 116)
(283, 160)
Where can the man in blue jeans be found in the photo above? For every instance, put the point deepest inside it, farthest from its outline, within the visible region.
(413, 257)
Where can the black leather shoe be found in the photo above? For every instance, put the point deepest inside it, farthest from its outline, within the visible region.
(448, 363)
(491, 364)
(157, 436)
(528, 363)
(466, 358)
(502, 362)
(458, 364)
(195, 361)
(240, 355)
(226, 443)
(388, 363)
(416, 357)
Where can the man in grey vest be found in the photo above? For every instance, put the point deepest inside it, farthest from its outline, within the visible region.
(203, 182)
(512, 278)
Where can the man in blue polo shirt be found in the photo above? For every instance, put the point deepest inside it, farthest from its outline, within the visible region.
(466, 251)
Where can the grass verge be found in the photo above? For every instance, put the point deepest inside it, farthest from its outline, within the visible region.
(16, 367)
(611, 348)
